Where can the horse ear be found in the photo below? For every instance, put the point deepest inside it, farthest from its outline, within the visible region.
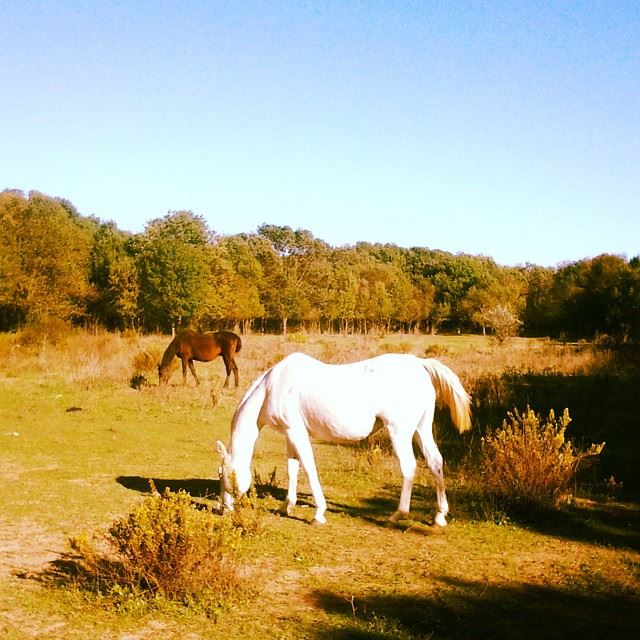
(222, 450)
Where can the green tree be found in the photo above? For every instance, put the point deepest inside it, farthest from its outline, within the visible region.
(498, 291)
(114, 276)
(541, 308)
(295, 268)
(236, 273)
(172, 258)
(452, 278)
(12, 205)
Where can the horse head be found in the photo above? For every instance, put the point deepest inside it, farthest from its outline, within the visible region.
(163, 374)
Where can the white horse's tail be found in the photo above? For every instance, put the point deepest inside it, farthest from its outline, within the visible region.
(450, 389)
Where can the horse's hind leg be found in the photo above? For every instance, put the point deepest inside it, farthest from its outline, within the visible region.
(193, 372)
(435, 463)
(404, 451)
(234, 368)
(230, 365)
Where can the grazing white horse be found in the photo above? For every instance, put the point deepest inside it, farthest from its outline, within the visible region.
(302, 397)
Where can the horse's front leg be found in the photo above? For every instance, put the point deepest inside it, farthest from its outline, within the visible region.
(293, 468)
(298, 437)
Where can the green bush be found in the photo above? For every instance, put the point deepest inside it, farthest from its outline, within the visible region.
(166, 550)
(528, 462)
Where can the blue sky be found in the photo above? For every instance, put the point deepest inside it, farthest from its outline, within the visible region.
(508, 129)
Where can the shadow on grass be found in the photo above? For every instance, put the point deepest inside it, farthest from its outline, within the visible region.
(610, 524)
(461, 609)
(195, 487)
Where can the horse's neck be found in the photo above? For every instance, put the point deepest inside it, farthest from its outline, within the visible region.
(169, 354)
(244, 433)
(244, 430)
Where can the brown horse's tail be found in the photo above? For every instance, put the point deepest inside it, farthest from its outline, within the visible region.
(238, 344)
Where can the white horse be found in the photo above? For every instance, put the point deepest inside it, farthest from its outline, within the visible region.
(302, 397)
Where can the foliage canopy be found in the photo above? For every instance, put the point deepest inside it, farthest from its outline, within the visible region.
(58, 263)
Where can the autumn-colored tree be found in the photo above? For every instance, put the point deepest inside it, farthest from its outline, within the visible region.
(46, 247)
(294, 268)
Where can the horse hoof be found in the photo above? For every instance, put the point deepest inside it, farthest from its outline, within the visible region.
(440, 520)
(396, 517)
(317, 523)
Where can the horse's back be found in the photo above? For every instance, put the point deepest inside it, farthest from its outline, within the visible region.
(343, 401)
(233, 340)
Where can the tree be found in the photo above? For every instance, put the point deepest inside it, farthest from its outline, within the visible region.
(295, 272)
(502, 320)
(236, 275)
(452, 278)
(172, 258)
(114, 276)
(498, 290)
(45, 271)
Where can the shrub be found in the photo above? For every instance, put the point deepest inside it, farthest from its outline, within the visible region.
(47, 331)
(435, 351)
(503, 321)
(529, 462)
(166, 549)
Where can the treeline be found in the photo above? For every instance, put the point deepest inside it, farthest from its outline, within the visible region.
(56, 263)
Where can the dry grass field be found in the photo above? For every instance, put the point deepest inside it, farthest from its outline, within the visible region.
(84, 427)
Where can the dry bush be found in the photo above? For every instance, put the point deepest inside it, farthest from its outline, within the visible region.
(166, 550)
(48, 331)
(435, 351)
(144, 365)
(528, 462)
(8, 346)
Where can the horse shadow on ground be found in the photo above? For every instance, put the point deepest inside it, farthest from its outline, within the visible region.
(376, 510)
(609, 523)
(459, 609)
(195, 487)
(606, 523)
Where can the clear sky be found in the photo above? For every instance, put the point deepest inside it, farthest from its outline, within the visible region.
(508, 129)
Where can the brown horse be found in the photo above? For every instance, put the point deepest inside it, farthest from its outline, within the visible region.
(189, 345)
